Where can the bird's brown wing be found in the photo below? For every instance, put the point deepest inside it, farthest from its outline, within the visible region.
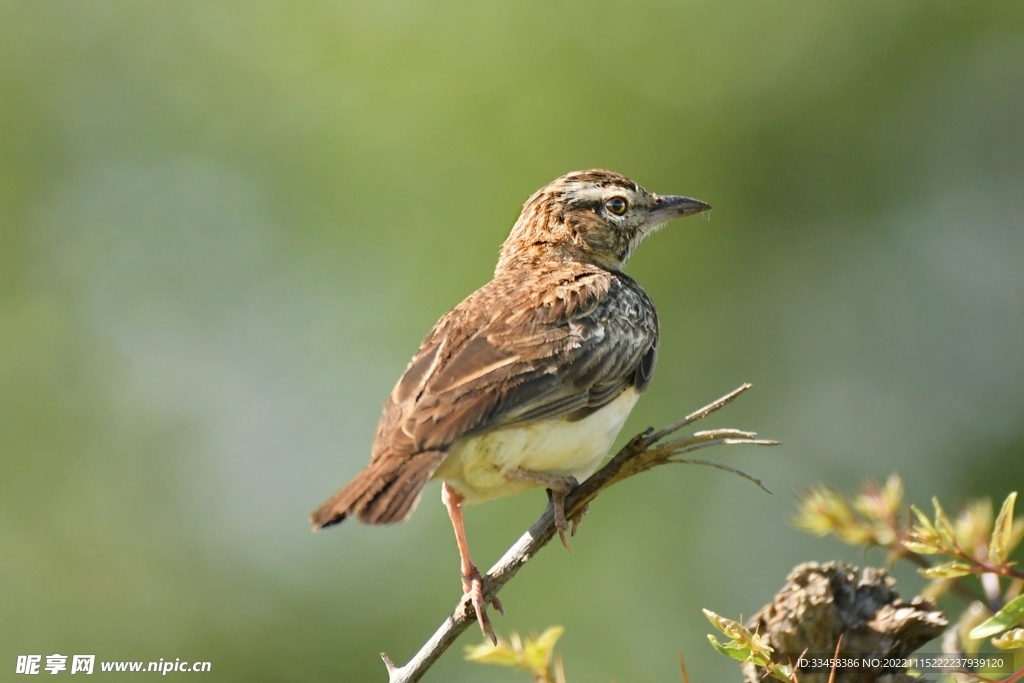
(492, 361)
(508, 354)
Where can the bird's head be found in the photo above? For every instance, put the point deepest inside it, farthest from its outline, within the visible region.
(594, 216)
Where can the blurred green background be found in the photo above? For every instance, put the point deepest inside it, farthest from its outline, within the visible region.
(226, 226)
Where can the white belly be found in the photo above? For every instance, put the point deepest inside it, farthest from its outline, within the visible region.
(476, 467)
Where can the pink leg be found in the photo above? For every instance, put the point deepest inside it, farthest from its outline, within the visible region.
(472, 581)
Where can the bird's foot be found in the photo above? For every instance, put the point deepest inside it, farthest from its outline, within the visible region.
(473, 587)
(558, 494)
(558, 488)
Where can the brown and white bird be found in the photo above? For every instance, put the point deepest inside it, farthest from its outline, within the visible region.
(528, 381)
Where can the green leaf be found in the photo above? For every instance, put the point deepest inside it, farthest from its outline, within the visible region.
(781, 672)
(924, 532)
(534, 655)
(946, 570)
(1010, 615)
(943, 525)
(822, 511)
(731, 628)
(746, 646)
(924, 523)
(1011, 640)
(1002, 532)
(921, 548)
(486, 653)
(762, 652)
(731, 649)
(539, 651)
(892, 494)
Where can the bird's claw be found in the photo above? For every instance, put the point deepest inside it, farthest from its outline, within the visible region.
(562, 526)
(473, 588)
(559, 487)
(558, 503)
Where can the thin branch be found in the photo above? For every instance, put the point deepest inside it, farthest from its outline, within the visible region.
(703, 412)
(644, 451)
(722, 466)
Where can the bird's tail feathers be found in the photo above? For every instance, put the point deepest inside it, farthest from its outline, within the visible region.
(386, 492)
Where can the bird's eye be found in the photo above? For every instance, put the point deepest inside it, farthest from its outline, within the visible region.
(617, 205)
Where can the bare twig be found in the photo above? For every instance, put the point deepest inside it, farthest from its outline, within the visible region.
(835, 659)
(722, 466)
(643, 452)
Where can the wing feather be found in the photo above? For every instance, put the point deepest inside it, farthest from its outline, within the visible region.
(493, 361)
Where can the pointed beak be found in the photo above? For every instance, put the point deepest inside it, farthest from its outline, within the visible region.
(669, 207)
